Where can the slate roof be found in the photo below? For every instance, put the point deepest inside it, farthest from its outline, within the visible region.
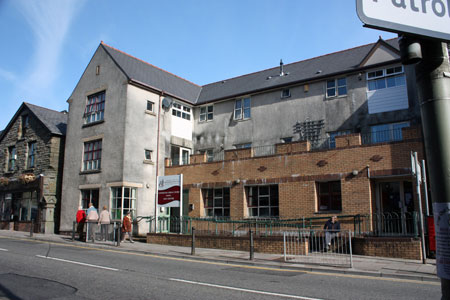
(55, 121)
(152, 76)
(315, 68)
(302, 71)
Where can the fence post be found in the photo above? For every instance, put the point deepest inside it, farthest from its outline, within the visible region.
(31, 227)
(350, 245)
(251, 245)
(193, 241)
(284, 245)
(73, 231)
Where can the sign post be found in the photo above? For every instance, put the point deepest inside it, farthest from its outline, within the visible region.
(429, 23)
(169, 193)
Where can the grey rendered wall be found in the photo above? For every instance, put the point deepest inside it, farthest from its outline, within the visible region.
(112, 80)
(273, 118)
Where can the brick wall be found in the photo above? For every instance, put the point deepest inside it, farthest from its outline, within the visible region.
(273, 245)
(398, 247)
(297, 174)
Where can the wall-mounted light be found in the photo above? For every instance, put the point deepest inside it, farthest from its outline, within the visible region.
(355, 172)
(237, 181)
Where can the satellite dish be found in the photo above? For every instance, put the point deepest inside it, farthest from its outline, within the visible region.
(166, 102)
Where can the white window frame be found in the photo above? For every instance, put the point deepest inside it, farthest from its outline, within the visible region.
(152, 104)
(337, 85)
(242, 109)
(181, 111)
(285, 93)
(183, 155)
(206, 113)
(117, 212)
(384, 75)
(148, 154)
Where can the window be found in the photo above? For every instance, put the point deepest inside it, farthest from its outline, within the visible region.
(123, 200)
(262, 201)
(242, 109)
(179, 155)
(5, 206)
(387, 132)
(27, 205)
(285, 93)
(206, 113)
(385, 78)
(25, 125)
(217, 202)
(31, 160)
(333, 136)
(95, 108)
(209, 154)
(336, 87)
(287, 139)
(89, 196)
(329, 196)
(181, 111)
(92, 155)
(243, 146)
(12, 154)
(150, 106)
(148, 154)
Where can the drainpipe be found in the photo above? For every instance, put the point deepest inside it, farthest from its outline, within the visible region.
(157, 160)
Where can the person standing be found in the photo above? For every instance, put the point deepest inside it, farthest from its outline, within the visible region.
(92, 219)
(81, 220)
(126, 227)
(332, 228)
(104, 222)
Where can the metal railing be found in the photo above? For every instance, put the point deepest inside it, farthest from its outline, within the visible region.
(381, 224)
(323, 143)
(316, 246)
(92, 232)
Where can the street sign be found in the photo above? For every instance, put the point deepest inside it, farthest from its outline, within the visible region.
(429, 18)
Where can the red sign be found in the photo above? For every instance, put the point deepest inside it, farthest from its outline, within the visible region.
(169, 190)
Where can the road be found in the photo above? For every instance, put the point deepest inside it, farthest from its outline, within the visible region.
(42, 270)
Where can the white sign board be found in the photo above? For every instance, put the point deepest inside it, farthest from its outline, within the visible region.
(430, 18)
(169, 191)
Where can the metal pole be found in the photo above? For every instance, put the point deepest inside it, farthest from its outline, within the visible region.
(425, 187)
(419, 198)
(350, 246)
(433, 81)
(73, 231)
(193, 242)
(251, 245)
(31, 227)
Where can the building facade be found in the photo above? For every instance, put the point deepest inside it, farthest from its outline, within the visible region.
(31, 158)
(130, 121)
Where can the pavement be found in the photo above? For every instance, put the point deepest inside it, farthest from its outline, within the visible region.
(362, 265)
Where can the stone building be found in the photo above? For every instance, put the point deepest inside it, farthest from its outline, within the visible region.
(31, 158)
(304, 138)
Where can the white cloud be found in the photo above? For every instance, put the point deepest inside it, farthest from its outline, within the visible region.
(49, 22)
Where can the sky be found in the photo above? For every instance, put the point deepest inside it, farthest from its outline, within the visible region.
(47, 44)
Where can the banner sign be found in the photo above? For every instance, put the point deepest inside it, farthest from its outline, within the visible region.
(169, 190)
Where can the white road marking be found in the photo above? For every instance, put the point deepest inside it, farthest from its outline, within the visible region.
(3, 249)
(244, 290)
(77, 263)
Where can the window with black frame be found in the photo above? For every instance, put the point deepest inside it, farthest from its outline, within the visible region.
(329, 196)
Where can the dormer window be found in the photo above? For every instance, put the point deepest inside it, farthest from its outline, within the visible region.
(285, 93)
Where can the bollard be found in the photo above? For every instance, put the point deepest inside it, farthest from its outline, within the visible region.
(193, 242)
(118, 234)
(73, 231)
(251, 245)
(31, 227)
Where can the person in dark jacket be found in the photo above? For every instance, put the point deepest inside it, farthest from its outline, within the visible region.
(331, 228)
